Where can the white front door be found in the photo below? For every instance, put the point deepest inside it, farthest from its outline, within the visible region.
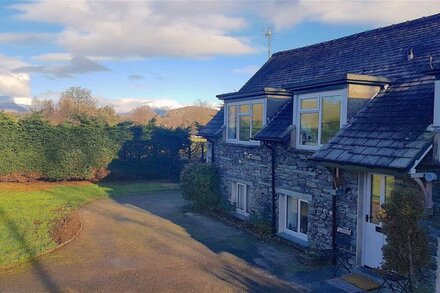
(377, 189)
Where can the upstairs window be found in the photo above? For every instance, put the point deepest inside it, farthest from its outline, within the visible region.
(244, 120)
(319, 118)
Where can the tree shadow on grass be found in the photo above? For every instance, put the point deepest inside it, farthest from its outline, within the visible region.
(40, 272)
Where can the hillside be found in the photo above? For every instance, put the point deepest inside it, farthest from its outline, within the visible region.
(186, 116)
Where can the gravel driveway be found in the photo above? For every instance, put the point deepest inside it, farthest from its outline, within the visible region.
(149, 243)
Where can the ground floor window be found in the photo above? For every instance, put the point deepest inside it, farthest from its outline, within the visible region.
(240, 198)
(294, 216)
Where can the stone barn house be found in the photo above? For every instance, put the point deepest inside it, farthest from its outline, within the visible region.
(318, 138)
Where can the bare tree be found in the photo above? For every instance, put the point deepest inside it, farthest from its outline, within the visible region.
(201, 103)
(77, 100)
(108, 115)
(142, 115)
(45, 107)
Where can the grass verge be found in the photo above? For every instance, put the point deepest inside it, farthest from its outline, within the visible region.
(28, 212)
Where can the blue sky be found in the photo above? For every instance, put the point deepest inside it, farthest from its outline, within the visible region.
(167, 52)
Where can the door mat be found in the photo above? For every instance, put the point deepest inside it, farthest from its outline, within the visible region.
(361, 282)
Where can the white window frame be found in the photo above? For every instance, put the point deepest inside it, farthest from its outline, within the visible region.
(235, 199)
(238, 104)
(282, 225)
(319, 95)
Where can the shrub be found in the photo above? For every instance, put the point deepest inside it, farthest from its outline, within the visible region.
(200, 185)
(406, 250)
(261, 225)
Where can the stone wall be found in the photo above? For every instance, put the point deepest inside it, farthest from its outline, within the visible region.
(295, 172)
(249, 165)
(347, 214)
(297, 175)
(432, 226)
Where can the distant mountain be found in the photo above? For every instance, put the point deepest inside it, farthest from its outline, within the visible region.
(187, 116)
(8, 104)
(160, 111)
(180, 117)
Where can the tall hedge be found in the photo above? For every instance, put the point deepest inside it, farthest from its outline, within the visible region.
(31, 148)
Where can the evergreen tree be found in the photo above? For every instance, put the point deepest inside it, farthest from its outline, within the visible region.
(406, 250)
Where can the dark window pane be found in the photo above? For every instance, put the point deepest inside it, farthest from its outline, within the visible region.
(304, 216)
(241, 199)
(331, 117)
(376, 182)
(257, 118)
(292, 214)
(245, 128)
(244, 108)
(309, 128)
(232, 122)
(389, 187)
(309, 103)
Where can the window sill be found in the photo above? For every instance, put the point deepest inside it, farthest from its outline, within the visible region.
(246, 143)
(243, 145)
(290, 237)
(241, 215)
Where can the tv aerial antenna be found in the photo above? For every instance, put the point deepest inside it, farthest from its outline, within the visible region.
(268, 34)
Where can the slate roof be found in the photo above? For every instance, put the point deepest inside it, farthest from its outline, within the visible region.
(214, 126)
(278, 128)
(378, 52)
(390, 132)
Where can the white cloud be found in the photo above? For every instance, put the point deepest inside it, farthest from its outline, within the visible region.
(285, 14)
(249, 69)
(76, 65)
(125, 105)
(28, 38)
(13, 84)
(122, 105)
(130, 29)
(53, 57)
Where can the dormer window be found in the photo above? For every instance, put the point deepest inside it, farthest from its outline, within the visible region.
(243, 120)
(319, 118)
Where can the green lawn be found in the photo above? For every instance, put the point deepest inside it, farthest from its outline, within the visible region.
(28, 211)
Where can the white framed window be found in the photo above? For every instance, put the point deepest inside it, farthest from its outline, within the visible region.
(244, 119)
(240, 198)
(319, 117)
(293, 216)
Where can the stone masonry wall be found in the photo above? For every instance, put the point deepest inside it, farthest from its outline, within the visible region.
(249, 165)
(295, 172)
(346, 215)
(298, 175)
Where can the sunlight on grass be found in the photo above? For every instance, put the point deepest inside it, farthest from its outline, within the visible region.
(27, 212)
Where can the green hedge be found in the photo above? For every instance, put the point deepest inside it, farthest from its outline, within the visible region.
(31, 148)
(200, 185)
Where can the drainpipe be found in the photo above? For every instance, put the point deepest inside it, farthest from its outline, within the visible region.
(334, 228)
(273, 158)
(336, 182)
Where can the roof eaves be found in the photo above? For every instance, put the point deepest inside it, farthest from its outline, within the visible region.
(339, 79)
(255, 94)
(412, 164)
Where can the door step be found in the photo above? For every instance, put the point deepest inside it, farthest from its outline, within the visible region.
(372, 274)
(362, 282)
